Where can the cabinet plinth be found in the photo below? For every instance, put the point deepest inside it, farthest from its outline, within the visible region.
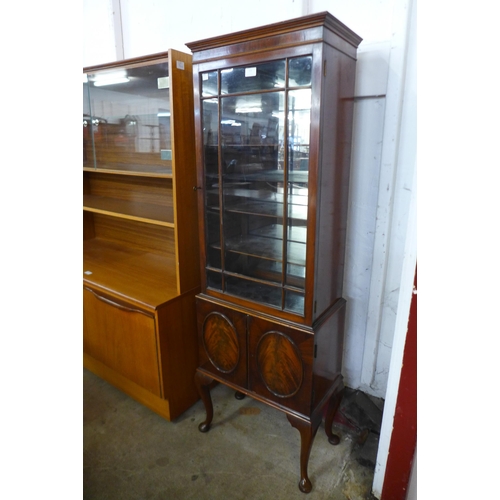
(140, 242)
(274, 111)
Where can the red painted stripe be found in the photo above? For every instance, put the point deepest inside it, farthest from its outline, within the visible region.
(404, 434)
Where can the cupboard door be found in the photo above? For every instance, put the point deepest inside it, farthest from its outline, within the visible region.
(122, 338)
(222, 341)
(256, 140)
(281, 364)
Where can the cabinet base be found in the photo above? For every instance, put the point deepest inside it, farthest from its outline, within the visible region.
(307, 425)
(162, 407)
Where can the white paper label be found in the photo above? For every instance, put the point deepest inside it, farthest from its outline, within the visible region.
(179, 64)
(164, 82)
(250, 72)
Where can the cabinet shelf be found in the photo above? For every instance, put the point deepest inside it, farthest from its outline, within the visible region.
(293, 199)
(133, 170)
(296, 176)
(142, 212)
(268, 209)
(140, 230)
(295, 233)
(140, 276)
(267, 248)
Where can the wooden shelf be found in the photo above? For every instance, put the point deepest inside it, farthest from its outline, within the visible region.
(131, 210)
(140, 232)
(268, 209)
(264, 195)
(297, 176)
(142, 277)
(295, 233)
(134, 170)
(267, 248)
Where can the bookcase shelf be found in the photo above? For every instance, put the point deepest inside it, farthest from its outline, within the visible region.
(140, 235)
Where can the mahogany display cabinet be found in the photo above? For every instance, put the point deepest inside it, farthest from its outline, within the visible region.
(273, 119)
(140, 234)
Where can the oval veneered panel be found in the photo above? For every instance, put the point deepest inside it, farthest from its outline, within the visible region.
(221, 342)
(280, 364)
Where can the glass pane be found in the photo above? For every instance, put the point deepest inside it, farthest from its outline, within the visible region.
(253, 251)
(210, 112)
(213, 239)
(263, 76)
(299, 123)
(88, 149)
(254, 291)
(252, 131)
(209, 84)
(210, 117)
(299, 71)
(214, 280)
(294, 301)
(132, 107)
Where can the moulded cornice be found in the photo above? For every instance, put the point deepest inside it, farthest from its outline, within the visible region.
(283, 27)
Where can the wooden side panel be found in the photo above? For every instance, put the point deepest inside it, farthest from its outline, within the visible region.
(178, 352)
(184, 171)
(329, 340)
(333, 181)
(121, 338)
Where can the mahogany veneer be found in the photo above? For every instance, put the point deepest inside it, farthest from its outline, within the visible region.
(273, 108)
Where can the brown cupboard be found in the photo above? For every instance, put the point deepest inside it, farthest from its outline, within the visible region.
(274, 111)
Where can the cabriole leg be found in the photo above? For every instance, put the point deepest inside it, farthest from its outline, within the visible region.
(307, 432)
(333, 405)
(203, 382)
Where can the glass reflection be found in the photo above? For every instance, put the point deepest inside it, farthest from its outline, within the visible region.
(264, 76)
(88, 149)
(299, 113)
(300, 71)
(130, 110)
(209, 84)
(251, 134)
(262, 135)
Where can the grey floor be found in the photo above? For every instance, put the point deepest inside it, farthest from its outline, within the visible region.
(250, 452)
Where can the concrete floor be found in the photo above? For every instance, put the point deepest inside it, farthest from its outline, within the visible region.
(251, 451)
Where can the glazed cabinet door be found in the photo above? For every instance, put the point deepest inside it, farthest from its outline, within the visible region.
(281, 364)
(222, 342)
(256, 137)
(127, 118)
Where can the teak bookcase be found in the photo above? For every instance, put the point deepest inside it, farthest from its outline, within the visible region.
(140, 233)
(274, 111)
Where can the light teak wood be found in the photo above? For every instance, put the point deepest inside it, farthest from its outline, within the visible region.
(141, 254)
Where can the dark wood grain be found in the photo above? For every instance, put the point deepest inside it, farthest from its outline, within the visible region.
(265, 247)
(279, 364)
(221, 342)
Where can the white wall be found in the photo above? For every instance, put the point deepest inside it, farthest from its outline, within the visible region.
(380, 188)
(381, 240)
